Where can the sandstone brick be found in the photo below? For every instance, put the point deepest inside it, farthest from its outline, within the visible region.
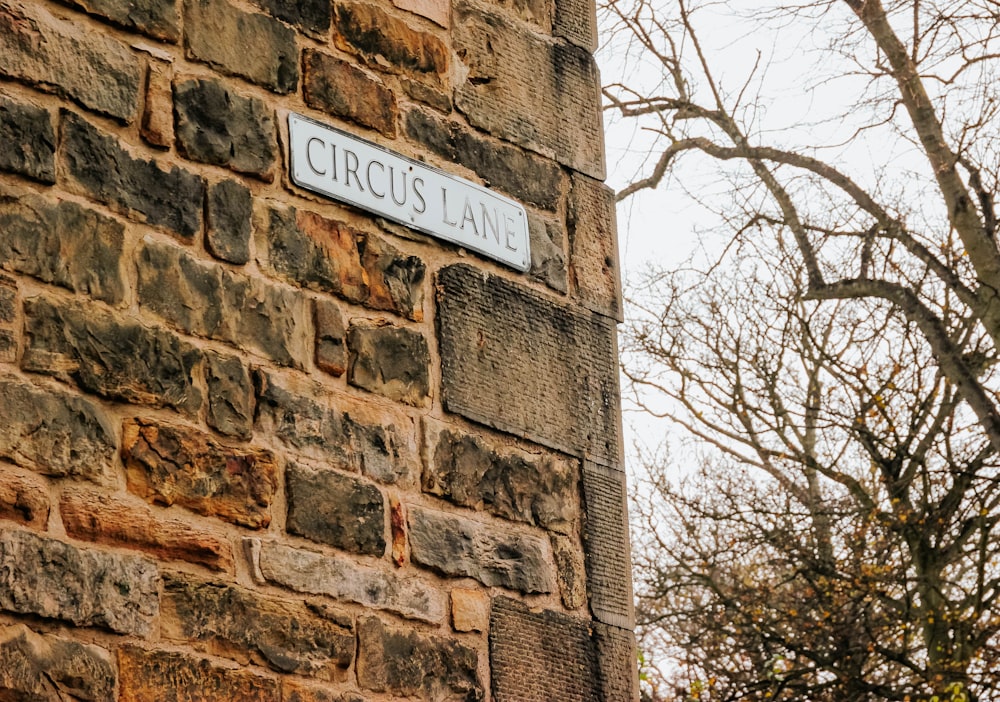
(238, 623)
(156, 18)
(44, 667)
(470, 610)
(230, 395)
(98, 72)
(346, 580)
(146, 675)
(310, 16)
(209, 300)
(169, 464)
(437, 11)
(495, 556)
(576, 22)
(391, 361)
(548, 253)
(551, 109)
(466, 470)
(606, 542)
(115, 521)
(427, 94)
(217, 125)
(397, 527)
(293, 690)
(507, 168)
(245, 44)
(29, 140)
(24, 498)
(593, 246)
(8, 346)
(404, 662)
(52, 579)
(570, 570)
(336, 509)
(379, 443)
(8, 300)
(54, 432)
(344, 90)
(102, 169)
(230, 207)
(515, 361)
(331, 344)
(388, 42)
(327, 255)
(62, 243)
(109, 355)
(616, 663)
(537, 12)
(157, 123)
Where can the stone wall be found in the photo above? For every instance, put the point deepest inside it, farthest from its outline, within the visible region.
(257, 445)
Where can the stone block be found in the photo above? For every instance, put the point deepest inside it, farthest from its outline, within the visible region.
(537, 12)
(539, 489)
(155, 18)
(219, 126)
(60, 56)
(311, 16)
(146, 675)
(293, 690)
(345, 579)
(245, 44)
(606, 541)
(336, 509)
(101, 168)
(470, 610)
(593, 246)
(110, 355)
(55, 580)
(29, 140)
(551, 109)
(576, 22)
(8, 300)
(116, 521)
(570, 570)
(548, 253)
(234, 622)
(507, 168)
(230, 395)
(54, 432)
(167, 464)
(390, 361)
(230, 208)
(209, 300)
(44, 667)
(404, 662)
(157, 124)
(8, 346)
(24, 497)
(618, 669)
(343, 90)
(514, 360)
(494, 555)
(539, 656)
(62, 243)
(331, 342)
(437, 11)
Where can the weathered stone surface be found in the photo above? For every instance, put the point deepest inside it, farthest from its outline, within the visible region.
(29, 140)
(593, 246)
(524, 487)
(230, 395)
(344, 579)
(551, 109)
(293, 690)
(470, 610)
(109, 356)
(576, 22)
(344, 90)
(331, 344)
(336, 509)
(208, 300)
(8, 346)
(146, 675)
(230, 207)
(326, 255)
(238, 623)
(156, 18)
(245, 44)
(616, 661)
(219, 126)
(388, 42)
(437, 11)
(427, 94)
(404, 662)
(517, 362)
(113, 520)
(507, 168)
(168, 464)
(541, 656)
(62, 243)
(52, 579)
(548, 253)
(105, 171)
(157, 123)
(606, 542)
(375, 442)
(570, 570)
(537, 12)
(54, 432)
(494, 556)
(24, 497)
(41, 667)
(391, 361)
(311, 16)
(98, 72)
(8, 300)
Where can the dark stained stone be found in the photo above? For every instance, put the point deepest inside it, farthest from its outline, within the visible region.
(228, 218)
(29, 141)
(156, 18)
(389, 43)
(311, 16)
(44, 667)
(391, 361)
(230, 395)
(344, 90)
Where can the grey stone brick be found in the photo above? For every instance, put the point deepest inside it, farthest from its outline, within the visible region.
(391, 361)
(29, 141)
(159, 19)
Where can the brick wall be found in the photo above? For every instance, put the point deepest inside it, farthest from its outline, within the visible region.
(257, 445)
